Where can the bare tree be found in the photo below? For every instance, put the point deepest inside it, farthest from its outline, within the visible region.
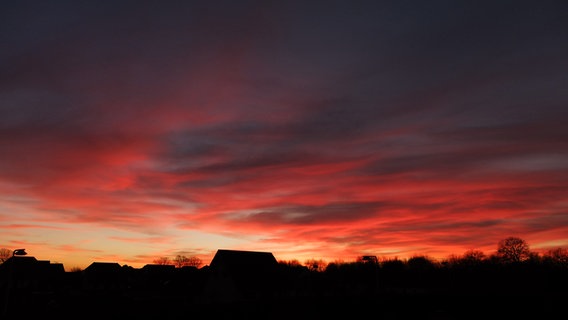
(473, 256)
(558, 256)
(290, 263)
(315, 264)
(452, 260)
(513, 249)
(180, 261)
(5, 254)
(194, 262)
(162, 261)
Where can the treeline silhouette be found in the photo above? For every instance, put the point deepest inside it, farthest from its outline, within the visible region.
(514, 283)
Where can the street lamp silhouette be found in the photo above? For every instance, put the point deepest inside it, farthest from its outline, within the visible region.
(19, 252)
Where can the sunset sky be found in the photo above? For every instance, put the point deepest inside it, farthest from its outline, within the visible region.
(132, 130)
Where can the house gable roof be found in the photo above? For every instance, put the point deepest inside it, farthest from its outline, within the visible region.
(240, 260)
(103, 267)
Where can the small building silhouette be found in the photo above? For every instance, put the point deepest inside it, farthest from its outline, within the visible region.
(236, 275)
(238, 261)
(156, 276)
(25, 279)
(104, 276)
(158, 268)
(29, 272)
(102, 267)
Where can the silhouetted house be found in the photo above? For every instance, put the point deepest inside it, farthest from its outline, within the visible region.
(241, 275)
(158, 271)
(158, 268)
(28, 272)
(104, 276)
(156, 276)
(24, 280)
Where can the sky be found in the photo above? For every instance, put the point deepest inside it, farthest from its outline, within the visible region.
(132, 130)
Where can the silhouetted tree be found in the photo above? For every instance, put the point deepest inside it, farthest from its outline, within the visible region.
(420, 263)
(162, 261)
(471, 259)
(290, 263)
(182, 261)
(392, 272)
(452, 260)
(368, 259)
(5, 254)
(513, 249)
(558, 256)
(421, 270)
(315, 264)
(473, 256)
(534, 258)
(194, 262)
(393, 264)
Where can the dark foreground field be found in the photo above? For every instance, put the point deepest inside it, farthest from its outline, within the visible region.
(379, 306)
(234, 289)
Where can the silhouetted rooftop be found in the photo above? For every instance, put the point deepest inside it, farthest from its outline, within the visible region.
(103, 267)
(237, 260)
